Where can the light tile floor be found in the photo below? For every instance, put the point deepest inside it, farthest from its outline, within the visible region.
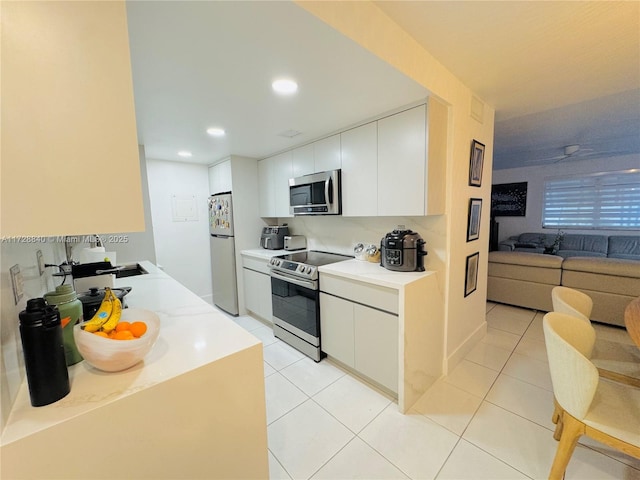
(490, 418)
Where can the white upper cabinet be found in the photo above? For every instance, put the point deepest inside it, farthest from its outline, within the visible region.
(67, 91)
(401, 163)
(266, 188)
(302, 158)
(360, 171)
(318, 156)
(326, 154)
(394, 166)
(220, 177)
(282, 172)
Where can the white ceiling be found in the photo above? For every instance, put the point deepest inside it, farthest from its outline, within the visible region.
(558, 73)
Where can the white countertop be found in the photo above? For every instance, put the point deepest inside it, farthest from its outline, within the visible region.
(192, 334)
(263, 253)
(372, 273)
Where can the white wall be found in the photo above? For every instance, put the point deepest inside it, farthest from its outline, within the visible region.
(12, 371)
(535, 177)
(367, 25)
(182, 247)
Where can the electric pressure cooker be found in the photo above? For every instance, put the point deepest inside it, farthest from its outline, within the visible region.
(402, 250)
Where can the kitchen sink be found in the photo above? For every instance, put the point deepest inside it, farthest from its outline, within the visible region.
(130, 270)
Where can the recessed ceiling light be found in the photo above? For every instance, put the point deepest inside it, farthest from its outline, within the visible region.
(184, 154)
(284, 86)
(216, 132)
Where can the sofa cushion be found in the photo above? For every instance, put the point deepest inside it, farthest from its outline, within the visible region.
(624, 246)
(580, 253)
(585, 243)
(607, 266)
(526, 258)
(616, 276)
(529, 267)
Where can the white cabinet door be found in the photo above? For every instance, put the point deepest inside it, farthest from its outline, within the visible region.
(264, 294)
(360, 171)
(402, 163)
(282, 172)
(326, 154)
(302, 160)
(220, 177)
(251, 290)
(267, 207)
(257, 293)
(68, 115)
(376, 345)
(336, 325)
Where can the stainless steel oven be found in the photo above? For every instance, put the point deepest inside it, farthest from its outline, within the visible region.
(295, 296)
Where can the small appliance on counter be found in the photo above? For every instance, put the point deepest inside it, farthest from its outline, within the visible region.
(402, 250)
(272, 237)
(295, 242)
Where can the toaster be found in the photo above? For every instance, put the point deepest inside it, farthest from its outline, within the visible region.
(402, 250)
(295, 242)
(272, 237)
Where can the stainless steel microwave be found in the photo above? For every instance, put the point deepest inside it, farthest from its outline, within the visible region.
(316, 194)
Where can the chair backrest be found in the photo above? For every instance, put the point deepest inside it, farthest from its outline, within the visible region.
(572, 302)
(569, 342)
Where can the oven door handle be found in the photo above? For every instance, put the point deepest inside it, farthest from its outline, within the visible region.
(310, 284)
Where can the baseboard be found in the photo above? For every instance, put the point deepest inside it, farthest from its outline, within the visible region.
(465, 347)
(208, 298)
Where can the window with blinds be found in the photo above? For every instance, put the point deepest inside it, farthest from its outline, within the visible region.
(607, 201)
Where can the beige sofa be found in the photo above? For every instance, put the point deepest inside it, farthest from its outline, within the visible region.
(526, 280)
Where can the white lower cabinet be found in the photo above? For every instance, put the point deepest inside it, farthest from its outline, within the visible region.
(257, 287)
(376, 345)
(361, 337)
(336, 324)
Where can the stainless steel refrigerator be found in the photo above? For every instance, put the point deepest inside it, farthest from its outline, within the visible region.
(223, 252)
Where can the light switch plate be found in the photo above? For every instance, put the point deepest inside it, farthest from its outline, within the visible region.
(17, 283)
(40, 262)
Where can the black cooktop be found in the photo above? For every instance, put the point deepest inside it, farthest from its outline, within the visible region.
(315, 257)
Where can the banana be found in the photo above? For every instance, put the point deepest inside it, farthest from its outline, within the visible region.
(114, 318)
(102, 315)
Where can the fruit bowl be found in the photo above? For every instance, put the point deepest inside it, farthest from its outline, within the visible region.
(115, 355)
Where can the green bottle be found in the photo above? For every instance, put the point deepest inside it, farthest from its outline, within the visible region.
(65, 298)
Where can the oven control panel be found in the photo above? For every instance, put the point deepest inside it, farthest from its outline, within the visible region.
(295, 268)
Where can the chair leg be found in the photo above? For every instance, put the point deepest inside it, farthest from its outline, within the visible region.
(557, 419)
(557, 434)
(557, 411)
(572, 429)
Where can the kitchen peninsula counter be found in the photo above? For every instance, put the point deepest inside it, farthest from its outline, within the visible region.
(194, 408)
(415, 298)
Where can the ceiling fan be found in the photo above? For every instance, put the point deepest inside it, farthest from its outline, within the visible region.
(568, 151)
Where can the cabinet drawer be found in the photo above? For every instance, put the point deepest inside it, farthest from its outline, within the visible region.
(261, 266)
(369, 294)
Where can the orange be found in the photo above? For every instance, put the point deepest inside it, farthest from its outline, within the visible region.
(122, 326)
(123, 335)
(138, 329)
(101, 334)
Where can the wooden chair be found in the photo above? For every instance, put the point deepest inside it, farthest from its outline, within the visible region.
(586, 404)
(617, 362)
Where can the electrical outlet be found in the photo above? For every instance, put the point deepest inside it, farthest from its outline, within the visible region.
(17, 283)
(40, 262)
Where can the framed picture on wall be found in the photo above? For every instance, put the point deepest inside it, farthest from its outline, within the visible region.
(471, 274)
(473, 219)
(475, 163)
(509, 200)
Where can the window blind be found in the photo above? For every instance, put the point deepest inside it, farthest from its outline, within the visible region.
(608, 201)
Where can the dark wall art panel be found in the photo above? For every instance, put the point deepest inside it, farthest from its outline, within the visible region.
(509, 200)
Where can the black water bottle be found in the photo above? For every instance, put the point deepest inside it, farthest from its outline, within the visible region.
(43, 348)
